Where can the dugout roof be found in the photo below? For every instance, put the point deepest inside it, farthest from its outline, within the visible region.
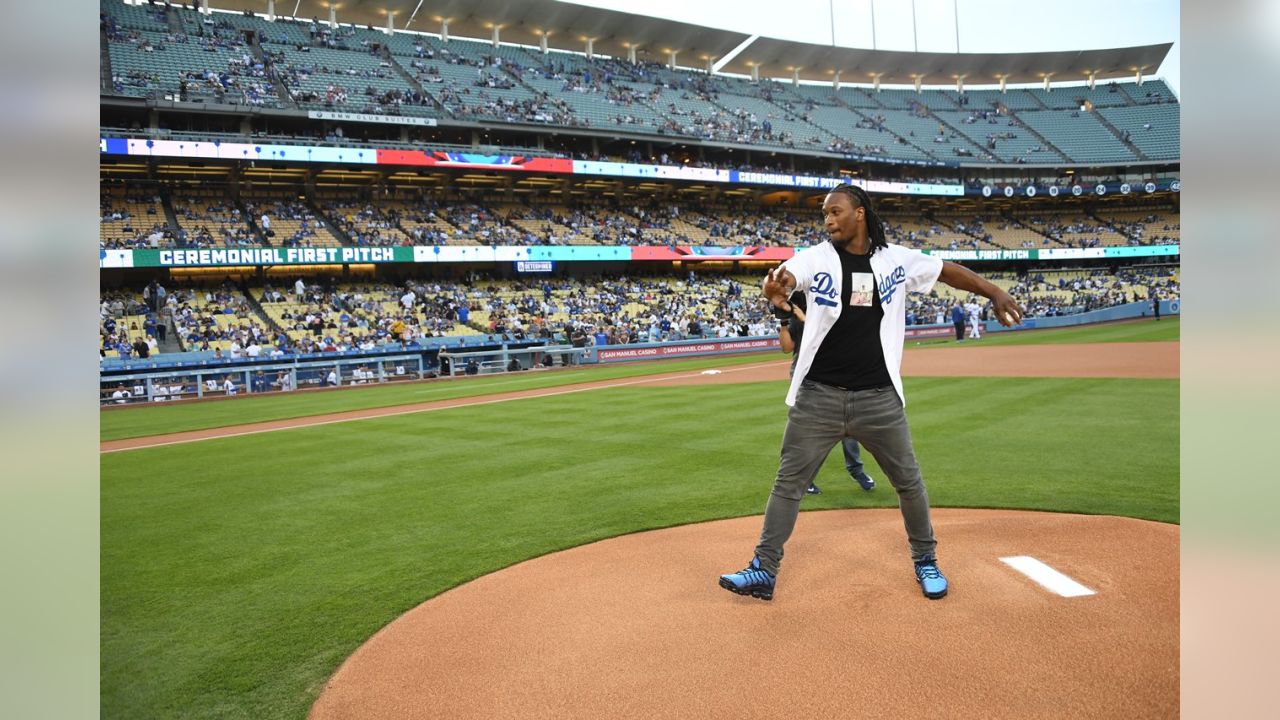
(569, 26)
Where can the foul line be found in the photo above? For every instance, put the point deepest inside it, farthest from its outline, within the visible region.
(1046, 577)
(302, 423)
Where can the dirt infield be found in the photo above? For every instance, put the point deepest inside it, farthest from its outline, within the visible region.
(1134, 360)
(636, 627)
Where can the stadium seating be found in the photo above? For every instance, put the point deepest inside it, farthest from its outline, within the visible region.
(900, 99)
(1156, 226)
(292, 222)
(361, 315)
(341, 79)
(861, 134)
(1074, 229)
(208, 217)
(856, 97)
(170, 52)
(1155, 129)
(998, 136)
(628, 308)
(972, 232)
(122, 321)
(543, 221)
(218, 318)
(917, 232)
(153, 18)
(149, 64)
(926, 132)
(364, 222)
(211, 219)
(129, 218)
(424, 221)
(1072, 97)
(1013, 99)
(183, 54)
(1150, 92)
(799, 132)
(1078, 134)
(1059, 292)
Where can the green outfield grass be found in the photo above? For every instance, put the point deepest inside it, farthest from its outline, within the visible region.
(237, 574)
(145, 420)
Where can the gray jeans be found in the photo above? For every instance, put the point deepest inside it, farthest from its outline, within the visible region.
(823, 416)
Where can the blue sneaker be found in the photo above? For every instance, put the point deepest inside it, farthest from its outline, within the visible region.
(814, 489)
(865, 482)
(751, 580)
(930, 578)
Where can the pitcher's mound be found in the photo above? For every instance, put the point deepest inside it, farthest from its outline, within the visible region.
(636, 627)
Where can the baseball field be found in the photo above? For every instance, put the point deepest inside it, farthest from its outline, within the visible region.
(239, 572)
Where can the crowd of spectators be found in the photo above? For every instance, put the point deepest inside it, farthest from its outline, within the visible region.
(477, 101)
(642, 94)
(293, 217)
(401, 218)
(123, 229)
(325, 315)
(1150, 229)
(329, 317)
(1046, 293)
(196, 213)
(220, 319)
(127, 327)
(619, 309)
(367, 224)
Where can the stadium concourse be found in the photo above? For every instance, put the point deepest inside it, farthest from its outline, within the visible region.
(371, 193)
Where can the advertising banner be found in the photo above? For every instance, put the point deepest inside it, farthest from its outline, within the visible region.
(216, 257)
(916, 332)
(649, 352)
(361, 117)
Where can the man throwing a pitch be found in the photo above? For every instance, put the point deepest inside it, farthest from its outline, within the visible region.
(846, 381)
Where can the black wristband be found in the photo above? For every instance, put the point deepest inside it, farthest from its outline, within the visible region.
(785, 323)
(783, 314)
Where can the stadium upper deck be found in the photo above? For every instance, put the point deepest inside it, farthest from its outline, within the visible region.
(294, 66)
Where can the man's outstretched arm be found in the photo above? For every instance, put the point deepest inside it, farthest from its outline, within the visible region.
(1008, 311)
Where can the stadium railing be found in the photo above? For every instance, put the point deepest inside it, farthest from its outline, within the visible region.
(209, 382)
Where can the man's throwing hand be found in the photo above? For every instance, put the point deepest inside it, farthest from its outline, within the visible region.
(1008, 311)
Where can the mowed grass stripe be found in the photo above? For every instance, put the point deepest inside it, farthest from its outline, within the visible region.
(1124, 331)
(159, 418)
(118, 424)
(238, 573)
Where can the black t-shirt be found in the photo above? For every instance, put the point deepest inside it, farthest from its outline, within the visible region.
(850, 355)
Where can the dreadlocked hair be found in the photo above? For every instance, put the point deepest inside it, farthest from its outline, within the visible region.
(875, 227)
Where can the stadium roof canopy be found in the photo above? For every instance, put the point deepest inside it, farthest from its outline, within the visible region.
(568, 26)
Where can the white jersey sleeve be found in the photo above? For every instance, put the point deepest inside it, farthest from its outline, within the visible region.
(801, 265)
(922, 270)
